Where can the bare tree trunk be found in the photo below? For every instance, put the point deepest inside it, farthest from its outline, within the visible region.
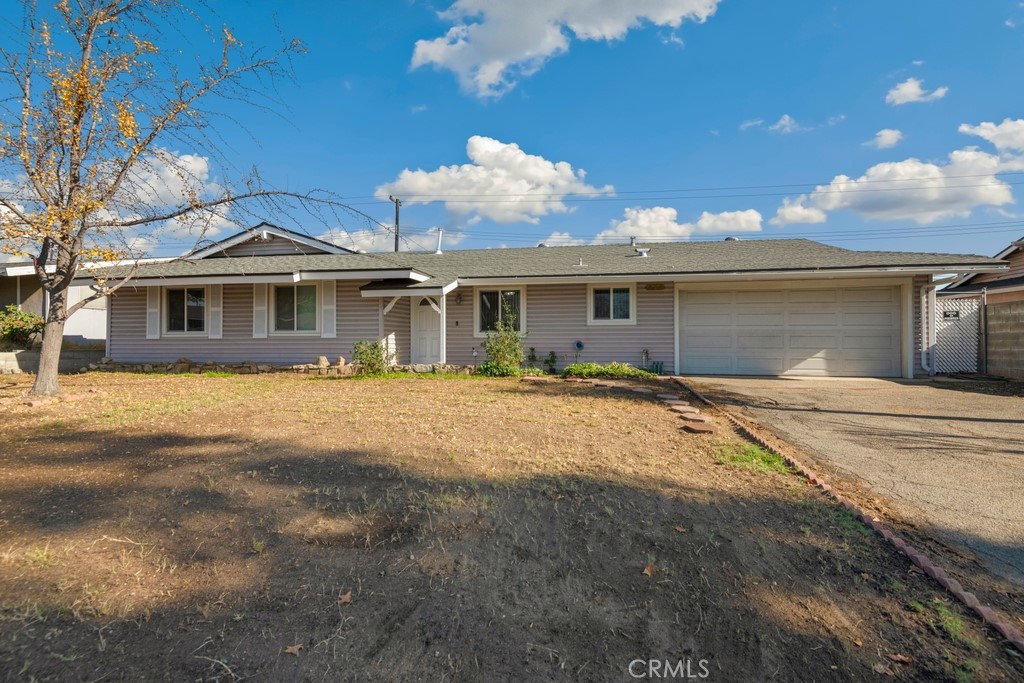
(47, 383)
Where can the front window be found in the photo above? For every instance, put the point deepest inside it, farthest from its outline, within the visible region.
(500, 305)
(611, 305)
(186, 309)
(295, 308)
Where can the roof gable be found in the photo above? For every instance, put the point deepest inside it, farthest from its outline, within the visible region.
(267, 240)
(1012, 253)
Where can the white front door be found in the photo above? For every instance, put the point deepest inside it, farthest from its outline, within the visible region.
(426, 331)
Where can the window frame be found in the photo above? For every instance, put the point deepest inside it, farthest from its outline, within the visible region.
(477, 291)
(611, 287)
(165, 317)
(272, 310)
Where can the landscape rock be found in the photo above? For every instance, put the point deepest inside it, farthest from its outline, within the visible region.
(322, 362)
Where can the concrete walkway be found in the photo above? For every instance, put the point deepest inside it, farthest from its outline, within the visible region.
(947, 455)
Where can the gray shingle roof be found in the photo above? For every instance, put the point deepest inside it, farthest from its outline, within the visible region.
(680, 258)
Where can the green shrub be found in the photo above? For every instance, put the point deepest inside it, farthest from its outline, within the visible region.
(372, 358)
(17, 327)
(504, 349)
(609, 370)
(492, 368)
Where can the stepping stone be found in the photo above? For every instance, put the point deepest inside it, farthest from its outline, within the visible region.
(674, 402)
(641, 390)
(693, 417)
(605, 384)
(699, 428)
(684, 409)
(535, 378)
(675, 396)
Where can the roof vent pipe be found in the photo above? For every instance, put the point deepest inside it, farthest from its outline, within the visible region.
(632, 241)
(440, 236)
(643, 253)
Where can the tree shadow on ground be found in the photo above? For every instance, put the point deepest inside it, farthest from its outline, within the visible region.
(204, 558)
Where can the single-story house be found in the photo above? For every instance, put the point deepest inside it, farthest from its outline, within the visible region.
(999, 287)
(747, 307)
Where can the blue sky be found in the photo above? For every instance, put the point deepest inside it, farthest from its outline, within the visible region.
(917, 105)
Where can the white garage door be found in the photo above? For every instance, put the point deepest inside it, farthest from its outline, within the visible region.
(851, 332)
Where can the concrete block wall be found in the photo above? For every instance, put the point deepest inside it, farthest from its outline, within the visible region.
(28, 361)
(1006, 339)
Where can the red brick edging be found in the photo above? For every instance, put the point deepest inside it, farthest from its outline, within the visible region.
(923, 562)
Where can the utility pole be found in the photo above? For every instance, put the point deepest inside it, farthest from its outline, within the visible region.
(398, 204)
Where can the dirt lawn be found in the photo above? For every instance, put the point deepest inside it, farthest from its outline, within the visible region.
(193, 528)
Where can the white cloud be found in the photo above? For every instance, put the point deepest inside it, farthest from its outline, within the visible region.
(785, 125)
(911, 90)
(562, 239)
(918, 62)
(492, 44)
(794, 211)
(502, 183)
(915, 190)
(885, 138)
(661, 223)
(1008, 135)
(751, 123)
(1010, 23)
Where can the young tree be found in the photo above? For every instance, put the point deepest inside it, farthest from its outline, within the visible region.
(91, 109)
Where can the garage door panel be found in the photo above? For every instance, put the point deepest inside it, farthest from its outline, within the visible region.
(814, 332)
(872, 295)
(760, 319)
(708, 341)
(809, 318)
(887, 342)
(810, 296)
(820, 341)
(768, 298)
(870, 319)
(708, 364)
(707, 297)
(763, 339)
(760, 365)
(707, 319)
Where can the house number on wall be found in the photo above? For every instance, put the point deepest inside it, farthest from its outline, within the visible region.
(950, 314)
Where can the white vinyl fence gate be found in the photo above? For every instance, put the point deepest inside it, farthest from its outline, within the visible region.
(957, 329)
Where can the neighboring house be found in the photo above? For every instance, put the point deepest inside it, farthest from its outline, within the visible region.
(19, 285)
(757, 307)
(1000, 287)
(997, 299)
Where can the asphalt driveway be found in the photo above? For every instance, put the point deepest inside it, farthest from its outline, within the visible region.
(946, 455)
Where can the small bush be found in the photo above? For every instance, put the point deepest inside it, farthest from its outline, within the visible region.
(493, 368)
(17, 327)
(372, 358)
(609, 370)
(504, 349)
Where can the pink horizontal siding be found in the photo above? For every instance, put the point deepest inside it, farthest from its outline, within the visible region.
(556, 317)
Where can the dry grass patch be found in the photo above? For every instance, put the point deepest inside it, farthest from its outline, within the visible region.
(433, 529)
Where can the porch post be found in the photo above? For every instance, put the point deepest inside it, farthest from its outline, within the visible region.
(907, 327)
(443, 303)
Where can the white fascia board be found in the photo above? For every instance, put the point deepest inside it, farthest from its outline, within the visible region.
(363, 275)
(31, 270)
(715, 277)
(209, 280)
(385, 293)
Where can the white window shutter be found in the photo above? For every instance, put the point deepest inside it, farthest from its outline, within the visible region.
(216, 304)
(153, 312)
(259, 311)
(328, 309)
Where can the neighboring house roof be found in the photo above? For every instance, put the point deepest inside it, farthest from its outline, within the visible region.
(958, 284)
(429, 270)
(261, 231)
